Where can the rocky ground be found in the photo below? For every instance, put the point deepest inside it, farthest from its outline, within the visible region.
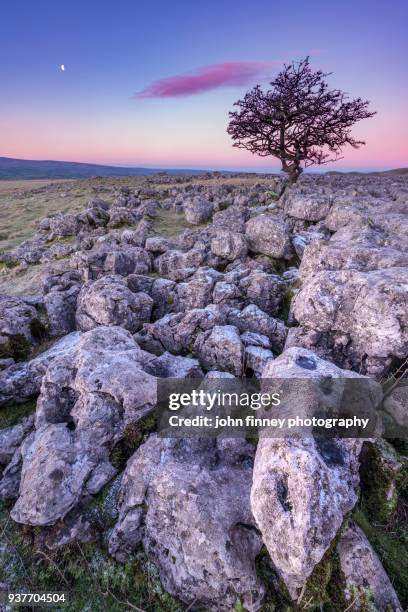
(203, 278)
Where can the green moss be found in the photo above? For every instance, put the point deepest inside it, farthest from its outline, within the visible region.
(276, 595)
(93, 580)
(286, 304)
(383, 476)
(9, 264)
(11, 415)
(133, 437)
(17, 346)
(325, 587)
(272, 194)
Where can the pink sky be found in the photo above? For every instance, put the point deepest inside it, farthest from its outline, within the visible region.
(188, 63)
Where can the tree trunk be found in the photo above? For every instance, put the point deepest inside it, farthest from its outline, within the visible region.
(294, 172)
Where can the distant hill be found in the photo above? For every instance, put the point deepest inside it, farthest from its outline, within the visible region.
(356, 172)
(14, 169)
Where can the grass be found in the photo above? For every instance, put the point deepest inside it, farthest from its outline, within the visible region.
(24, 185)
(170, 224)
(383, 520)
(22, 281)
(22, 208)
(392, 548)
(12, 415)
(24, 203)
(93, 580)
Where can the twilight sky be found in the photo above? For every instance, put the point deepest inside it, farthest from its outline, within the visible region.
(150, 82)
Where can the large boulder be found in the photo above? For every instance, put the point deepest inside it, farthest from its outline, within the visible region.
(61, 225)
(306, 207)
(111, 256)
(178, 265)
(269, 235)
(368, 310)
(267, 291)
(187, 501)
(197, 292)
(109, 301)
(88, 398)
(177, 332)
(231, 219)
(22, 381)
(304, 486)
(346, 255)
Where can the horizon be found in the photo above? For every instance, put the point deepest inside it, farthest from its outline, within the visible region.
(253, 169)
(100, 90)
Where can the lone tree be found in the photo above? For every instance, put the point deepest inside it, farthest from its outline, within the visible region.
(300, 120)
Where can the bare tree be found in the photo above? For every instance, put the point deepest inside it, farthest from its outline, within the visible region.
(300, 120)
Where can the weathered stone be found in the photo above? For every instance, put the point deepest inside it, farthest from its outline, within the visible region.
(370, 308)
(229, 245)
(227, 293)
(205, 551)
(157, 245)
(254, 319)
(255, 339)
(221, 349)
(109, 301)
(256, 358)
(63, 225)
(303, 487)
(267, 291)
(197, 292)
(364, 573)
(12, 437)
(87, 400)
(60, 300)
(172, 366)
(177, 332)
(308, 208)
(22, 381)
(171, 263)
(20, 327)
(232, 219)
(198, 210)
(268, 234)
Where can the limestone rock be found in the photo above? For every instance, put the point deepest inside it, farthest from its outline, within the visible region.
(87, 400)
(12, 437)
(268, 234)
(198, 210)
(221, 349)
(229, 245)
(364, 573)
(109, 301)
(370, 308)
(60, 300)
(304, 486)
(20, 327)
(205, 551)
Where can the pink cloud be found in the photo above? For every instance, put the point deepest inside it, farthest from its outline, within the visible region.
(227, 74)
